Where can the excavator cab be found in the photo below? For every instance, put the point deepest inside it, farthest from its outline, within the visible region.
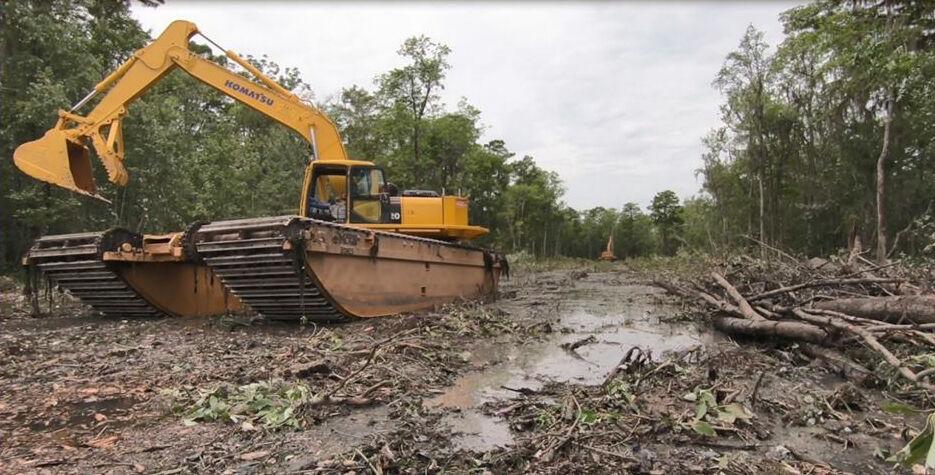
(356, 193)
(350, 193)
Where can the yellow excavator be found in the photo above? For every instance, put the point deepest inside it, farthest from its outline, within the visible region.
(356, 248)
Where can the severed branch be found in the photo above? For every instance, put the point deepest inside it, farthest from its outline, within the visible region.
(747, 326)
(869, 339)
(701, 295)
(742, 303)
(907, 318)
(776, 250)
(848, 367)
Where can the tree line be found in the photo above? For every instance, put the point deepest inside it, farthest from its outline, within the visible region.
(828, 140)
(805, 129)
(195, 154)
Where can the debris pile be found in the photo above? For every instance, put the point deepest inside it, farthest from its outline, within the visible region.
(723, 409)
(887, 309)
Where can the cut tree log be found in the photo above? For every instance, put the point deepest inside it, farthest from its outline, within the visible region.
(899, 309)
(766, 328)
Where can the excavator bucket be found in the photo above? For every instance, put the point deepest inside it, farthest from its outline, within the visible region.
(57, 159)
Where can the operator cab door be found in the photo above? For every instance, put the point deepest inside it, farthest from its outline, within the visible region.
(370, 201)
(327, 196)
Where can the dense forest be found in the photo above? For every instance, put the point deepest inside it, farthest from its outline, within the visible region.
(815, 134)
(829, 139)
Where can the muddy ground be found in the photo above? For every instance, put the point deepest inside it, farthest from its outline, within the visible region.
(538, 381)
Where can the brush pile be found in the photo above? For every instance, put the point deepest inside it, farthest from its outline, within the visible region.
(831, 309)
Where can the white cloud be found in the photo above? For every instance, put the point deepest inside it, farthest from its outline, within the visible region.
(615, 97)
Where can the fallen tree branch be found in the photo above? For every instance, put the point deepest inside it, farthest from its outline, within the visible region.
(776, 250)
(704, 296)
(875, 268)
(823, 283)
(848, 367)
(869, 339)
(896, 326)
(742, 303)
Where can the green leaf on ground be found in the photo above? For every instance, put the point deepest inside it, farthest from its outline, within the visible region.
(921, 447)
(704, 428)
(893, 407)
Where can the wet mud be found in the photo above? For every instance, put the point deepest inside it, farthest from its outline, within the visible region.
(466, 388)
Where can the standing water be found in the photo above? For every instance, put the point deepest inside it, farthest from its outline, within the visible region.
(600, 321)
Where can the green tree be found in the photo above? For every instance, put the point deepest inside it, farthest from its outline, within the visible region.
(827, 138)
(701, 223)
(532, 207)
(876, 50)
(744, 79)
(666, 214)
(51, 55)
(412, 90)
(357, 114)
(634, 233)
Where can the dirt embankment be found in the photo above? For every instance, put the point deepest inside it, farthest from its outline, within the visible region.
(544, 380)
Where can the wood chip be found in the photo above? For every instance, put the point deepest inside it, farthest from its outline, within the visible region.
(254, 455)
(103, 442)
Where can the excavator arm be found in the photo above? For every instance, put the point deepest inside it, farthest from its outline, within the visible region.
(61, 157)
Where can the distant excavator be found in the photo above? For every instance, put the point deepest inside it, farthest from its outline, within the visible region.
(608, 254)
(356, 248)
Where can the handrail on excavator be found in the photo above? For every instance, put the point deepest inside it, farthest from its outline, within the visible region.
(61, 157)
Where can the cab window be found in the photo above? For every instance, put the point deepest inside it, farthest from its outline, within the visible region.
(366, 184)
(328, 194)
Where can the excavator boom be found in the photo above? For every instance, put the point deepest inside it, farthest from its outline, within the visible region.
(61, 156)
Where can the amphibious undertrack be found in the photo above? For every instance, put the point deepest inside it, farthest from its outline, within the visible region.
(74, 262)
(262, 261)
(283, 268)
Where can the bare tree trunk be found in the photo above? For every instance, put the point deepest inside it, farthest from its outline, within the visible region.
(415, 142)
(545, 235)
(881, 180)
(762, 218)
(889, 111)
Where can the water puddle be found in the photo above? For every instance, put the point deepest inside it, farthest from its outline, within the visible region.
(478, 432)
(603, 326)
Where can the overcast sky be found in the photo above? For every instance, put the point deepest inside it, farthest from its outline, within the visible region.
(615, 97)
